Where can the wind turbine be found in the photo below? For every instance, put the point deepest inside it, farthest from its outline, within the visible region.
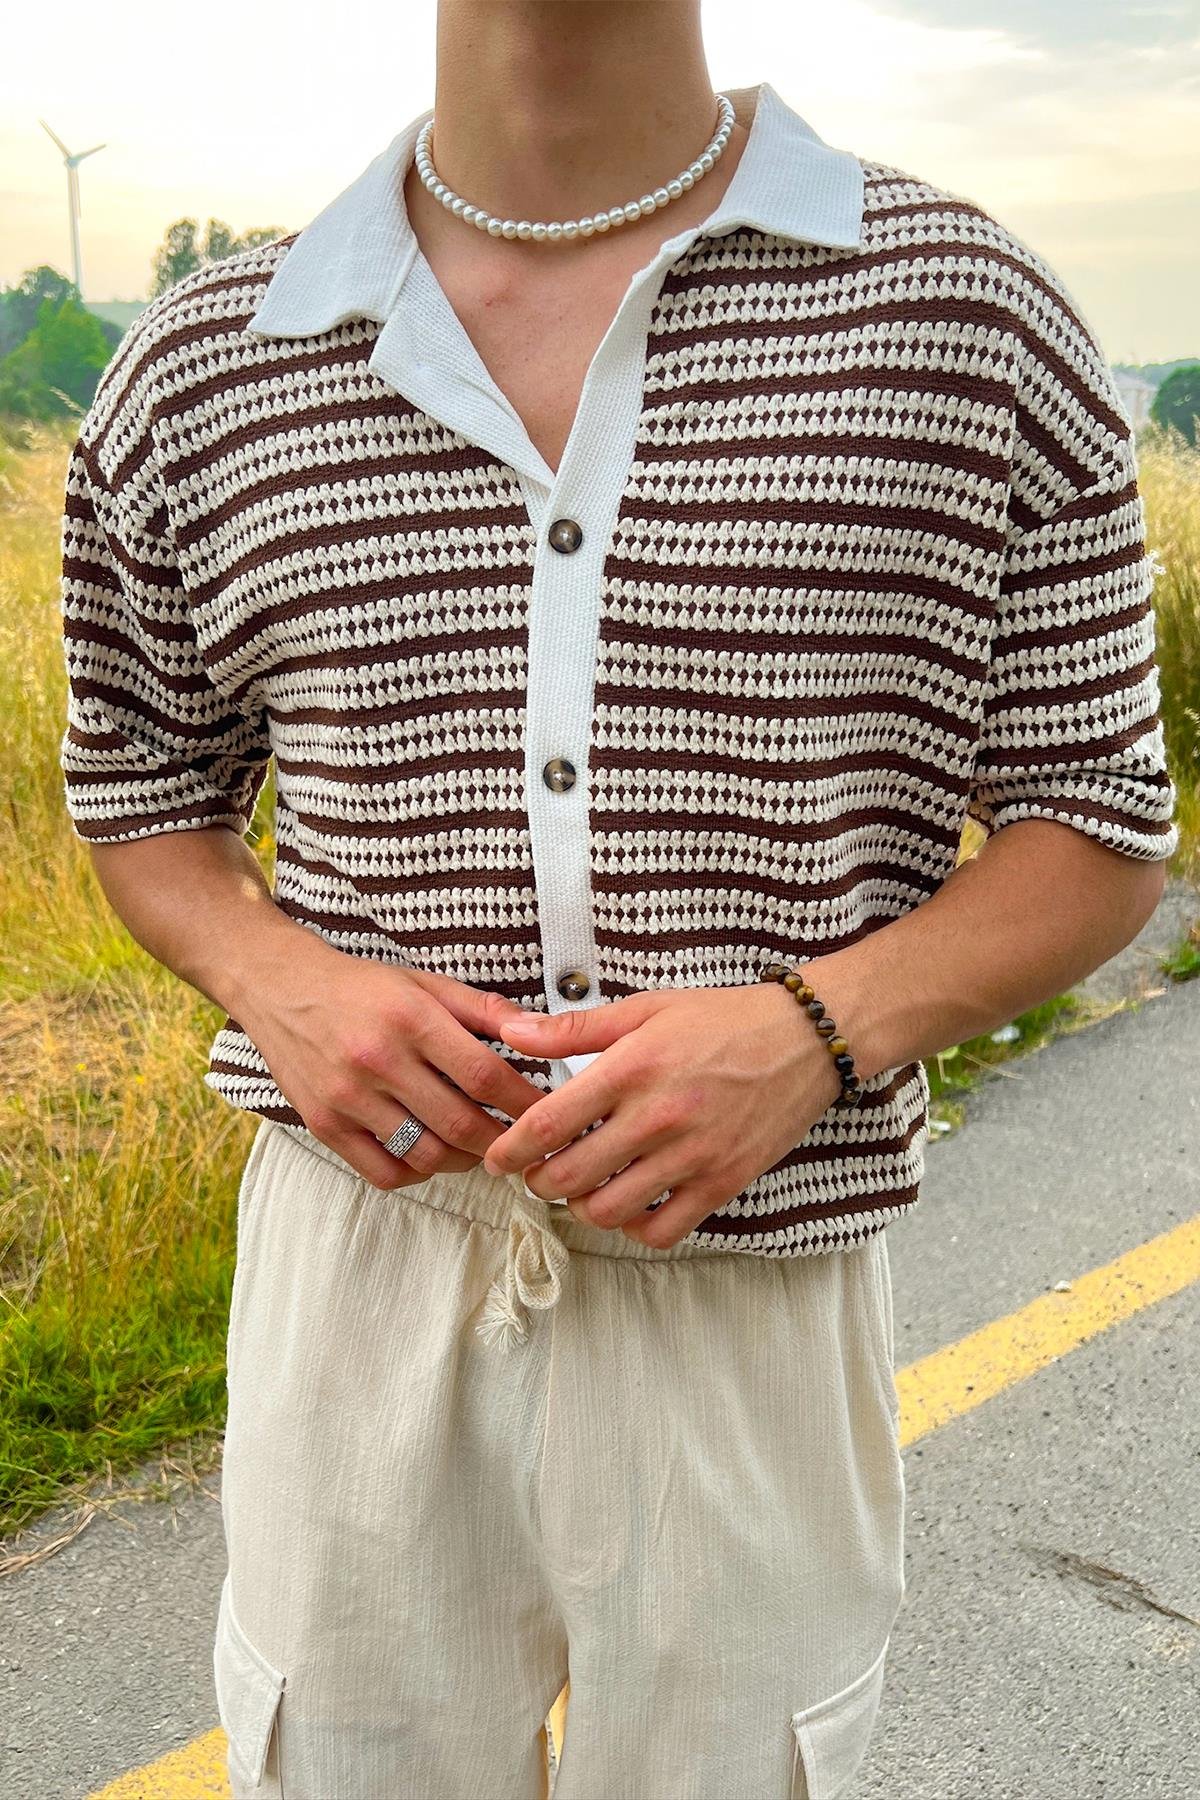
(72, 162)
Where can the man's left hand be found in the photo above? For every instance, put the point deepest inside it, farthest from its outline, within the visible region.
(698, 1091)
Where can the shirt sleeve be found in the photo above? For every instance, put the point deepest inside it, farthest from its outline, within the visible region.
(1071, 728)
(150, 743)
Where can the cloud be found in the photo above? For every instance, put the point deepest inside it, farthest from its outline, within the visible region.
(1073, 28)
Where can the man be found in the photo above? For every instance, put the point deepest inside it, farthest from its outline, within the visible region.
(630, 604)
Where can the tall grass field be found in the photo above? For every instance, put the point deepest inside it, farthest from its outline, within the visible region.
(118, 1168)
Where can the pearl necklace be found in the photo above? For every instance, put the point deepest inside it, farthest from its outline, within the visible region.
(562, 230)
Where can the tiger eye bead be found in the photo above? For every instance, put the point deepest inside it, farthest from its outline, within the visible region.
(791, 975)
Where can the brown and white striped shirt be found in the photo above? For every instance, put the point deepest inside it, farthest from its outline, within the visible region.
(859, 552)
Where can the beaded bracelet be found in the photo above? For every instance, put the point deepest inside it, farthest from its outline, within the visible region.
(839, 1049)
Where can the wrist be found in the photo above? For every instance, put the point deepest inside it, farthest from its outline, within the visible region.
(812, 1060)
(840, 982)
(836, 999)
(275, 958)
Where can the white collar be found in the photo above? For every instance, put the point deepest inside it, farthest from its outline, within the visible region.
(350, 261)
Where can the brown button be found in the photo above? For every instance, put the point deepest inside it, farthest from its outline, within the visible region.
(559, 774)
(565, 535)
(573, 985)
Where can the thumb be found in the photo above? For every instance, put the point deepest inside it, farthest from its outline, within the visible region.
(576, 1033)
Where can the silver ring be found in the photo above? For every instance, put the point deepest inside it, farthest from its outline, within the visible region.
(404, 1136)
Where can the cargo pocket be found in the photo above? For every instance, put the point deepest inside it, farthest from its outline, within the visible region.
(831, 1738)
(249, 1690)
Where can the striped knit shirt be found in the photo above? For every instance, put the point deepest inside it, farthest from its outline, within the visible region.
(862, 555)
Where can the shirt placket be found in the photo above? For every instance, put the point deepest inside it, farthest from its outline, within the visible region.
(426, 354)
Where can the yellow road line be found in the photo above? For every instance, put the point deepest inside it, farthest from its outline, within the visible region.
(937, 1388)
(195, 1771)
(952, 1381)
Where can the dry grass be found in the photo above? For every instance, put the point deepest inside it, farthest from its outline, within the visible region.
(118, 1168)
(1170, 480)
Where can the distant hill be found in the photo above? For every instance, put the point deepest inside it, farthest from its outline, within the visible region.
(1155, 373)
(1138, 384)
(116, 312)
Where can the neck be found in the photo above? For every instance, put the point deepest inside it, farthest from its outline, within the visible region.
(554, 108)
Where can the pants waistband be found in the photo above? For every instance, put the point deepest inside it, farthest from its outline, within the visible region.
(540, 1236)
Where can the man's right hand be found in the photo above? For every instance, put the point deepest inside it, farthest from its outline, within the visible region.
(355, 1045)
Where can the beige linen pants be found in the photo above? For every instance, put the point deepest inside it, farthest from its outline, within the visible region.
(476, 1447)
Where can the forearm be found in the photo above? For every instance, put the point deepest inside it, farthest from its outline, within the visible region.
(199, 902)
(1038, 908)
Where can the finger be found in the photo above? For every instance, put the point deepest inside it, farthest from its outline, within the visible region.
(427, 1154)
(626, 1195)
(364, 1152)
(476, 1070)
(557, 1118)
(596, 1156)
(688, 1205)
(440, 1105)
(479, 1010)
(666, 1218)
(577, 1033)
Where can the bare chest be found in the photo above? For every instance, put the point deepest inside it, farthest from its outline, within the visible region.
(537, 334)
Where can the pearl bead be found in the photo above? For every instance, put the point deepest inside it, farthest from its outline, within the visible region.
(565, 230)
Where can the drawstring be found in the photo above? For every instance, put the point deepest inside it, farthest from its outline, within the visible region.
(534, 1266)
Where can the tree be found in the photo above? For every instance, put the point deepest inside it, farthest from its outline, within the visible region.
(53, 372)
(181, 250)
(1177, 401)
(19, 306)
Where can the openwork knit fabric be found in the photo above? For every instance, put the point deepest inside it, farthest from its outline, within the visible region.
(879, 564)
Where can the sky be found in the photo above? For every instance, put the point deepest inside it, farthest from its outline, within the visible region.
(1076, 123)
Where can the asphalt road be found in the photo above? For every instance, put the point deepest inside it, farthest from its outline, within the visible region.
(1048, 1646)
(1053, 1535)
